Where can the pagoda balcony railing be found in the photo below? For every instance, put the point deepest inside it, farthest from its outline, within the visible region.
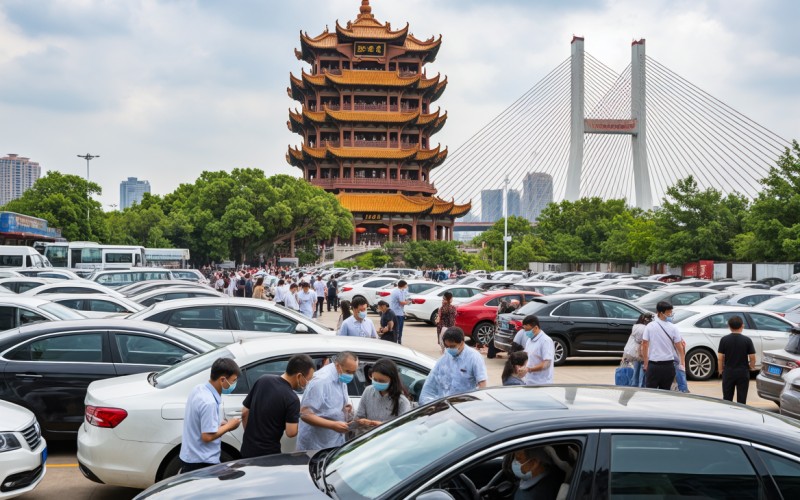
(370, 183)
(408, 73)
(332, 107)
(333, 144)
(403, 108)
(370, 144)
(333, 71)
(374, 144)
(369, 107)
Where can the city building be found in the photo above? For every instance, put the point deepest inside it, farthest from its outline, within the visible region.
(17, 175)
(491, 205)
(514, 203)
(132, 191)
(366, 124)
(537, 193)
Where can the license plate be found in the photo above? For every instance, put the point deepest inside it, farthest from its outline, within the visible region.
(44, 455)
(504, 324)
(774, 370)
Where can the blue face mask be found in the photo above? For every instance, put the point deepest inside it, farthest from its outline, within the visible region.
(453, 351)
(230, 388)
(380, 386)
(516, 468)
(669, 319)
(345, 378)
(362, 314)
(529, 334)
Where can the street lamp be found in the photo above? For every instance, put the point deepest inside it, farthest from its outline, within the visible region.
(88, 158)
(506, 239)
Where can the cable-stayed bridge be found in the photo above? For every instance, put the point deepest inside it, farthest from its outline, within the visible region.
(597, 132)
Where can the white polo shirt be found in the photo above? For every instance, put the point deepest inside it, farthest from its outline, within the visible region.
(540, 348)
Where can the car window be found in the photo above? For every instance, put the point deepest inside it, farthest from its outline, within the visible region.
(190, 367)
(634, 294)
(413, 379)
(254, 319)
(104, 306)
(421, 287)
(785, 473)
(83, 348)
(278, 366)
(457, 292)
(581, 309)
(378, 283)
(719, 321)
(614, 309)
(683, 299)
(24, 286)
(144, 350)
(614, 293)
(205, 317)
(72, 303)
(768, 323)
(27, 317)
(8, 318)
(679, 467)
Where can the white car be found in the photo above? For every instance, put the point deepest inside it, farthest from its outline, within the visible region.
(425, 306)
(95, 305)
(164, 294)
(71, 286)
(17, 311)
(223, 320)
(149, 408)
(365, 288)
(23, 451)
(22, 284)
(192, 275)
(702, 327)
(414, 287)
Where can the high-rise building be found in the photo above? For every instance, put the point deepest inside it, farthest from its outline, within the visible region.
(514, 203)
(491, 205)
(17, 175)
(132, 191)
(537, 193)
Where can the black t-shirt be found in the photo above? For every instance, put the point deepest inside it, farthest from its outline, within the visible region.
(385, 319)
(736, 347)
(272, 404)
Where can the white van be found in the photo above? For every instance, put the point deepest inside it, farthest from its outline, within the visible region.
(21, 256)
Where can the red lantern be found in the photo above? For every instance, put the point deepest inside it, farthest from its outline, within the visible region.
(402, 231)
(361, 230)
(383, 230)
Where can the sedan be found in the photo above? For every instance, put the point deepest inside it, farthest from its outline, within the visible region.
(47, 367)
(23, 452)
(95, 305)
(156, 402)
(172, 293)
(594, 441)
(623, 292)
(477, 316)
(580, 324)
(787, 306)
(775, 367)
(365, 289)
(702, 327)
(425, 306)
(25, 283)
(146, 286)
(677, 296)
(738, 297)
(18, 311)
(223, 320)
(414, 287)
(790, 395)
(71, 286)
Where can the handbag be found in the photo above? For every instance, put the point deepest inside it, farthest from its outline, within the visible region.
(633, 350)
(623, 374)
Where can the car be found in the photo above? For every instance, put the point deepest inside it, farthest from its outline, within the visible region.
(787, 306)
(477, 315)
(223, 320)
(24, 283)
(155, 402)
(543, 287)
(414, 287)
(192, 275)
(95, 305)
(738, 297)
(425, 306)
(599, 442)
(677, 296)
(71, 286)
(702, 327)
(365, 289)
(7, 273)
(17, 311)
(171, 293)
(146, 286)
(790, 395)
(23, 451)
(47, 367)
(49, 272)
(582, 325)
(776, 364)
(623, 292)
(115, 278)
(485, 284)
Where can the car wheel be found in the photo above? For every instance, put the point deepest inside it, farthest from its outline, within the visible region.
(701, 364)
(561, 351)
(483, 333)
(432, 321)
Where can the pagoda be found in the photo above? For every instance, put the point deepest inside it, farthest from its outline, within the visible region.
(366, 123)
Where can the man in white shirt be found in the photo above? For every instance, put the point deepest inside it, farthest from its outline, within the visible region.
(319, 289)
(280, 292)
(541, 352)
(398, 300)
(461, 370)
(306, 299)
(660, 344)
(358, 325)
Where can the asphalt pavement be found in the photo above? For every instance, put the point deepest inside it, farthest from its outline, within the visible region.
(65, 482)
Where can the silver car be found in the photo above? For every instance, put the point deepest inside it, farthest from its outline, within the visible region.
(790, 395)
(775, 365)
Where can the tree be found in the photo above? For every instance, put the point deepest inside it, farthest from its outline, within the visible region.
(491, 240)
(630, 239)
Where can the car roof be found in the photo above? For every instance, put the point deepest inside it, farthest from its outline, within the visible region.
(22, 300)
(52, 297)
(30, 279)
(707, 308)
(174, 289)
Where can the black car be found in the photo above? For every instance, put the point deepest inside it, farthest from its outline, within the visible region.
(594, 441)
(579, 324)
(47, 367)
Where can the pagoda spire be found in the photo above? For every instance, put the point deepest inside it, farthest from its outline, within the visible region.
(366, 10)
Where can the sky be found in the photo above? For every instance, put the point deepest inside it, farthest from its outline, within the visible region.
(164, 89)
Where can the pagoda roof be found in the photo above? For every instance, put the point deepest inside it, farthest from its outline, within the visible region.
(297, 156)
(363, 78)
(401, 204)
(297, 119)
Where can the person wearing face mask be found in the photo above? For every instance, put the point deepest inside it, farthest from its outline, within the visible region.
(358, 325)
(326, 410)
(661, 343)
(384, 400)
(515, 369)
(541, 352)
(538, 477)
(272, 407)
(461, 369)
(202, 426)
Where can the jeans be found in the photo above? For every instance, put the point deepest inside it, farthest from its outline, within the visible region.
(638, 374)
(400, 321)
(680, 379)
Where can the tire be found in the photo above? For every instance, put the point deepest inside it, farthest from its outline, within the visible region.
(561, 349)
(701, 364)
(432, 320)
(483, 333)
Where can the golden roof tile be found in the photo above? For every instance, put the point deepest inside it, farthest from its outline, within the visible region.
(427, 154)
(379, 78)
(384, 203)
(415, 45)
(372, 116)
(427, 83)
(370, 153)
(429, 118)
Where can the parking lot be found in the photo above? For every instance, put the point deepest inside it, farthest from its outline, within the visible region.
(64, 481)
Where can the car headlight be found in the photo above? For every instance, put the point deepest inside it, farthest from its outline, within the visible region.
(8, 442)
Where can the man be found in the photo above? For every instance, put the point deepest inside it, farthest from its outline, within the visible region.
(240, 285)
(280, 292)
(272, 407)
(331, 296)
(737, 358)
(358, 325)
(326, 410)
(290, 299)
(388, 329)
(319, 289)
(541, 353)
(521, 338)
(306, 299)
(461, 369)
(539, 478)
(397, 301)
(202, 427)
(248, 286)
(660, 342)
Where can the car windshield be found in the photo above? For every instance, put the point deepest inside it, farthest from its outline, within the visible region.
(779, 304)
(713, 300)
(61, 312)
(372, 466)
(301, 318)
(681, 315)
(191, 366)
(531, 307)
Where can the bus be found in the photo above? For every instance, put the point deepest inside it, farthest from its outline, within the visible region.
(86, 256)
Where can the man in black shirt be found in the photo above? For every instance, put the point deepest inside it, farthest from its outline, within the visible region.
(388, 329)
(272, 407)
(737, 357)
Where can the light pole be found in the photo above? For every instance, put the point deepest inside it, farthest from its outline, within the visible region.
(88, 158)
(505, 221)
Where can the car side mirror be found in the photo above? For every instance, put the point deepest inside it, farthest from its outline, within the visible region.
(435, 495)
(301, 328)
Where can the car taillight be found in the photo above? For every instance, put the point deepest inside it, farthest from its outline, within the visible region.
(515, 325)
(792, 365)
(417, 301)
(347, 288)
(384, 294)
(105, 417)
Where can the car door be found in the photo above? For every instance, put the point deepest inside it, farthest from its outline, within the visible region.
(715, 326)
(207, 322)
(774, 332)
(252, 322)
(620, 318)
(582, 324)
(139, 352)
(50, 375)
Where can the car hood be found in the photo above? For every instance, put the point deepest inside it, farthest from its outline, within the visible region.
(274, 476)
(119, 387)
(14, 417)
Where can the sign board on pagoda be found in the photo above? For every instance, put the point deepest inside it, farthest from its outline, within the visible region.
(609, 126)
(369, 49)
(373, 216)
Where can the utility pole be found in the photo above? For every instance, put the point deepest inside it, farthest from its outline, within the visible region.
(88, 158)
(505, 221)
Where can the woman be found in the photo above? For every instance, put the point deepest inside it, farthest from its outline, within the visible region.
(515, 369)
(346, 313)
(258, 290)
(633, 349)
(445, 318)
(385, 399)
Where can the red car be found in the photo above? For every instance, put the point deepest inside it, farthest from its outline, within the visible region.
(477, 317)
